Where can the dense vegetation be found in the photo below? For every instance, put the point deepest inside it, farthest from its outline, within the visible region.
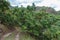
(41, 24)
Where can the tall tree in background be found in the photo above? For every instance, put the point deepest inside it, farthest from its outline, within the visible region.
(33, 6)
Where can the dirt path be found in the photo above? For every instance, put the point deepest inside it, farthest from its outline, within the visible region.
(2, 37)
(6, 35)
(9, 34)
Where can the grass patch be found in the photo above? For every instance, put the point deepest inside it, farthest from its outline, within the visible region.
(26, 37)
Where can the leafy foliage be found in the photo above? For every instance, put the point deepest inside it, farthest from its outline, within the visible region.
(43, 25)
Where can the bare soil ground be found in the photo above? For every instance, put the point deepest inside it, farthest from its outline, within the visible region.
(13, 35)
